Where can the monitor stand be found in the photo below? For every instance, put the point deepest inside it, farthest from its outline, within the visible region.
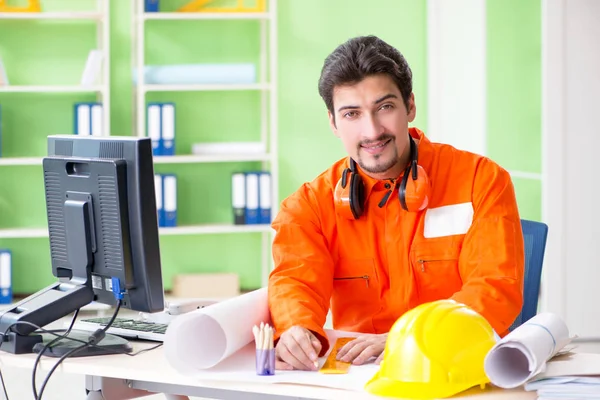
(110, 344)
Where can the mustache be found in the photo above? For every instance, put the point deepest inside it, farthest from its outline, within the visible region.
(383, 138)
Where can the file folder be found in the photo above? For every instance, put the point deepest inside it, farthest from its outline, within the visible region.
(238, 197)
(83, 119)
(170, 199)
(252, 198)
(168, 129)
(153, 127)
(5, 276)
(151, 5)
(264, 204)
(96, 122)
(158, 188)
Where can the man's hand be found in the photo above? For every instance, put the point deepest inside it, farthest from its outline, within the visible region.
(297, 348)
(362, 349)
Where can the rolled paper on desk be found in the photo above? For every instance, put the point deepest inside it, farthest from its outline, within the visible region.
(202, 338)
(523, 353)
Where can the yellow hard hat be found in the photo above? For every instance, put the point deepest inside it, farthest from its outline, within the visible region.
(435, 350)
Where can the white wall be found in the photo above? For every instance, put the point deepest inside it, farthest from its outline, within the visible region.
(571, 132)
(456, 87)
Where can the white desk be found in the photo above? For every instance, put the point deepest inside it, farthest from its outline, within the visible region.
(119, 377)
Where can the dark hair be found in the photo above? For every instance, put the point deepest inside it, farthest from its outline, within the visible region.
(358, 58)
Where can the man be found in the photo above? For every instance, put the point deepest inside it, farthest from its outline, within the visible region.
(399, 222)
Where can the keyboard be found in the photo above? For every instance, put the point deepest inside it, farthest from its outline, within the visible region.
(125, 327)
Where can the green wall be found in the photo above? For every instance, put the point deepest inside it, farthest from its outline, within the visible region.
(514, 109)
(52, 53)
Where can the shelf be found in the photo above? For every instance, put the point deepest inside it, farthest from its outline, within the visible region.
(82, 16)
(179, 230)
(210, 158)
(23, 233)
(8, 161)
(206, 16)
(215, 228)
(206, 87)
(50, 89)
(187, 159)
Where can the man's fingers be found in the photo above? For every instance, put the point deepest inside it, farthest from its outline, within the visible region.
(300, 345)
(370, 351)
(316, 344)
(346, 348)
(287, 356)
(282, 365)
(354, 351)
(379, 359)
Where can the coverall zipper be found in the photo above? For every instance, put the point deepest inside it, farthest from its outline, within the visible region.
(422, 262)
(365, 277)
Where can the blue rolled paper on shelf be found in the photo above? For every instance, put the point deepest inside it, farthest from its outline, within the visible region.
(235, 73)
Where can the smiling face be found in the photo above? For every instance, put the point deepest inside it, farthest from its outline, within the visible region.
(371, 120)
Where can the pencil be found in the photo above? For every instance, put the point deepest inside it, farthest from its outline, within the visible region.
(263, 338)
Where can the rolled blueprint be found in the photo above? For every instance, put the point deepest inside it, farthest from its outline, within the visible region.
(524, 352)
(203, 338)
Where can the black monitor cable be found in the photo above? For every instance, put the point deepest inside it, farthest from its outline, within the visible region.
(95, 338)
(53, 332)
(46, 347)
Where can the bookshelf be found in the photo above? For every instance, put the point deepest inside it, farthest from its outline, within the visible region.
(265, 87)
(39, 102)
(100, 17)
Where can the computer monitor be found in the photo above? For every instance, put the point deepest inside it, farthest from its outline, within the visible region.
(103, 231)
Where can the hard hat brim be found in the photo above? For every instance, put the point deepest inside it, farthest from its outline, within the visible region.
(383, 386)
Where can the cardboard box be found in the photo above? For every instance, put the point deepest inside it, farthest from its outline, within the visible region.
(206, 285)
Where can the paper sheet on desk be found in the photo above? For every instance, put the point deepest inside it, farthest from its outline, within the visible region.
(239, 367)
(571, 375)
(523, 353)
(203, 338)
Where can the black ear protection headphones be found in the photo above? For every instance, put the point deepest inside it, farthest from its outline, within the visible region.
(413, 194)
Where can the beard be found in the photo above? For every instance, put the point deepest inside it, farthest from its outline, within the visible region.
(382, 162)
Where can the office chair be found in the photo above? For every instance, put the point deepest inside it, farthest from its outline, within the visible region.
(534, 236)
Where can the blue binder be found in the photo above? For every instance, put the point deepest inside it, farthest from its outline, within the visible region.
(153, 127)
(252, 198)
(264, 193)
(158, 187)
(167, 129)
(238, 197)
(82, 113)
(170, 199)
(6, 293)
(151, 5)
(87, 118)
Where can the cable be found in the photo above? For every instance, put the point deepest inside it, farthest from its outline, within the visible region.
(51, 332)
(46, 347)
(95, 338)
(3, 385)
(60, 360)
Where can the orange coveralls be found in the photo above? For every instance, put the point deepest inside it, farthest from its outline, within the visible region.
(372, 270)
